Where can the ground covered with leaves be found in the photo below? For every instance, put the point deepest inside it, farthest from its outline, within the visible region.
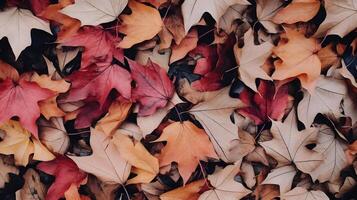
(178, 99)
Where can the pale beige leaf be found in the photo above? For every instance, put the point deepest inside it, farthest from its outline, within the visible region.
(100, 189)
(325, 99)
(159, 57)
(248, 175)
(332, 148)
(289, 145)
(225, 187)
(282, 176)
(346, 186)
(250, 63)
(241, 147)
(233, 13)
(18, 23)
(300, 193)
(112, 168)
(340, 18)
(192, 10)
(53, 135)
(94, 12)
(265, 10)
(130, 129)
(214, 116)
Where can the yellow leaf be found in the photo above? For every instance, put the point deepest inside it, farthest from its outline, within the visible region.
(22, 144)
(115, 116)
(146, 165)
(142, 24)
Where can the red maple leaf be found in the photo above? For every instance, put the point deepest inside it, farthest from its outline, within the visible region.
(97, 80)
(265, 104)
(99, 45)
(153, 87)
(20, 99)
(66, 172)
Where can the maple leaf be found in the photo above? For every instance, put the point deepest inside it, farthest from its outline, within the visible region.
(340, 18)
(335, 160)
(20, 99)
(18, 23)
(112, 169)
(297, 11)
(99, 45)
(299, 193)
(97, 80)
(298, 58)
(289, 145)
(282, 176)
(192, 10)
(68, 25)
(116, 115)
(188, 43)
(232, 13)
(92, 12)
(142, 24)
(214, 116)
(153, 87)
(187, 192)
(266, 103)
(53, 135)
(146, 165)
(66, 173)
(265, 11)
(189, 142)
(224, 185)
(21, 143)
(250, 63)
(326, 99)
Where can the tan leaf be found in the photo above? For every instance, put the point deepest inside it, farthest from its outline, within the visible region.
(142, 24)
(241, 147)
(136, 155)
(214, 116)
(298, 58)
(297, 11)
(282, 176)
(100, 189)
(225, 187)
(186, 145)
(232, 13)
(112, 168)
(157, 56)
(187, 44)
(116, 115)
(289, 145)
(22, 144)
(7, 71)
(265, 10)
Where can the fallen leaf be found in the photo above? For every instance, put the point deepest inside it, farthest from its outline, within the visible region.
(142, 24)
(7, 71)
(214, 116)
(22, 144)
(250, 63)
(19, 23)
(326, 99)
(146, 165)
(289, 145)
(224, 185)
(266, 10)
(340, 18)
(116, 115)
(66, 173)
(112, 169)
(282, 176)
(241, 147)
(153, 87)
(192, 10)
(92, 12)
(33, 188)
(188, 43)
(188, 141)
(297, 58)
(297, 11)
(232, 13)
(5, 169)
